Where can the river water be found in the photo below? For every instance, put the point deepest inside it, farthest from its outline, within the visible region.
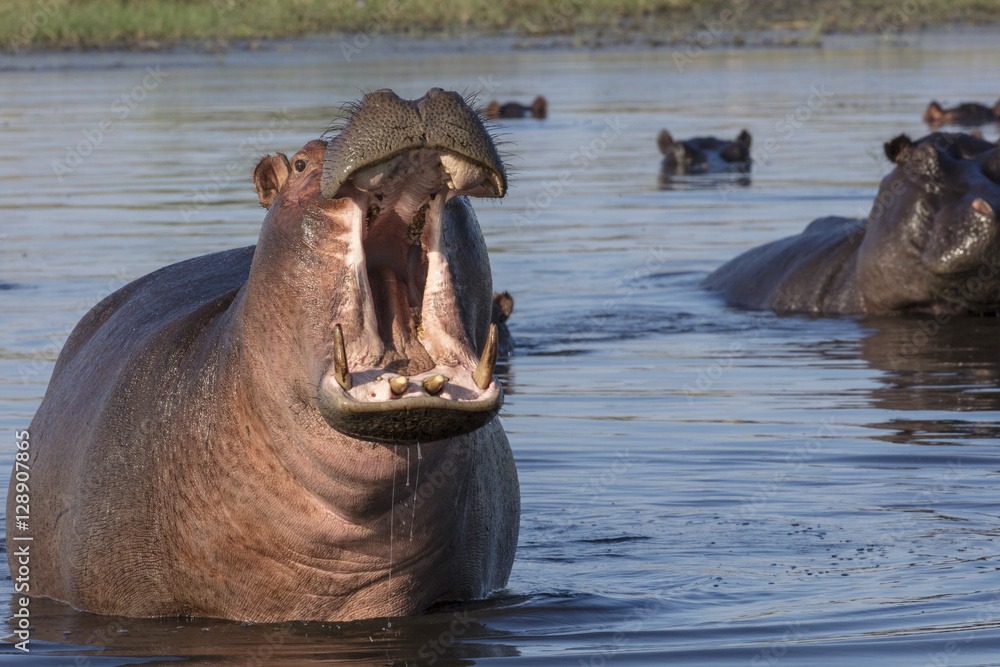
(700, 485)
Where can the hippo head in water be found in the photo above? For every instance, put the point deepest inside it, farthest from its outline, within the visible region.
(969, 114)
(931, 243)
(304, 429)
(702, 155)
(400, 347)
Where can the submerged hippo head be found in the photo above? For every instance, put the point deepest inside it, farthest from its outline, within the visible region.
(537, 109)
(701, 155)
(970, 114)
(933, 240)
(381, 263)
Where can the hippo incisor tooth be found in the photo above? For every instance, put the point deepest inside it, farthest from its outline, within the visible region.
(398, 385)
(434, 384)
(484, 371)
(340, 359)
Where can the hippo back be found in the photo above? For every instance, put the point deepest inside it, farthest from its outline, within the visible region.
(811, 272)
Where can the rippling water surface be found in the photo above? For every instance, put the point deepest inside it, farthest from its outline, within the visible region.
(700, 485)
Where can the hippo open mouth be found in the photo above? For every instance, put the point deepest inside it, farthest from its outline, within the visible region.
(412, 356)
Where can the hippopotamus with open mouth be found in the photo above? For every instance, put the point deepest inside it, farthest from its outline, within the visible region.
(970, 114)
(931, 243)
(304, 429)
(704, 155)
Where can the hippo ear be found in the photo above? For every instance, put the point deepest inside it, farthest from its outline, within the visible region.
(933, 113)
(996, 109)
(492, 110)
(503, 306)
(269, 176)
(539, 108)
(664, 141)
(744, 138)
(894, 149)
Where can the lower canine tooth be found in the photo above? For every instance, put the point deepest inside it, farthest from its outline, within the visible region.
(488, 362)
(398, 385)
(434, 384)
(340, 372)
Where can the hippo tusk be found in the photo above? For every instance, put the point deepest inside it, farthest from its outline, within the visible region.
(340, 359)
(484, 371)
(398, 385)
(434, 384)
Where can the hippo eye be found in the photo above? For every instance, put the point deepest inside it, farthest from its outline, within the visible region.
(300, 165)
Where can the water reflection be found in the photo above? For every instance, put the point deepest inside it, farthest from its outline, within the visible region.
(446, 636)
(929, 366)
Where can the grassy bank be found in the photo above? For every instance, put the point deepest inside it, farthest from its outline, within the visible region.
(69, 24)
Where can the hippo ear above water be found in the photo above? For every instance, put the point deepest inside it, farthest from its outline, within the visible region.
(664, 140)
(269, 176)
(894, 149)
(744, 138)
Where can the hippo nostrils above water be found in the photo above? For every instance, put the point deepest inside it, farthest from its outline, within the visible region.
(970, 113)
(208, 443)
(703, 155)
(931, 243)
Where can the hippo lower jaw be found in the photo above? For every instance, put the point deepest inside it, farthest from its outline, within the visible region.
(408, 372)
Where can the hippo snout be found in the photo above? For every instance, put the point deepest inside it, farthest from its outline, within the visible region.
(384, 126)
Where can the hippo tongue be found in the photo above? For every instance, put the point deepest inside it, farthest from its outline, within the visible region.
(397, 326)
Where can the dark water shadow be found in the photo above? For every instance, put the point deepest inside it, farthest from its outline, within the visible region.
(450, 635)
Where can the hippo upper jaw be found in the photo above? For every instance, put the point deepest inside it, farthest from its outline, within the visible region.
(411, 358)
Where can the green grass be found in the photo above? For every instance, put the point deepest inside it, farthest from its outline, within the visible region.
(86, 24)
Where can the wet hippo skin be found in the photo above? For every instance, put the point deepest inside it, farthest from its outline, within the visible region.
(931, 243)
(304, 429)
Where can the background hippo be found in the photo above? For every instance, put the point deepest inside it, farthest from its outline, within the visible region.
(701, 155)
(970, 113)
(304, 429)
(537, 109)
(931, 243)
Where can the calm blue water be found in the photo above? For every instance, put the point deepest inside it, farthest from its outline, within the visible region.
(700, 485)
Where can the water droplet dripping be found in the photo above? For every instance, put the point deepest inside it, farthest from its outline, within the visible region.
(416, 488)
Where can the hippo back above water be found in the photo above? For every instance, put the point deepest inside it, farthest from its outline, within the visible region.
(304, 429)
(931, 243)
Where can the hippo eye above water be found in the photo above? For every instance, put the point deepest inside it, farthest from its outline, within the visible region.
(300, 165)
